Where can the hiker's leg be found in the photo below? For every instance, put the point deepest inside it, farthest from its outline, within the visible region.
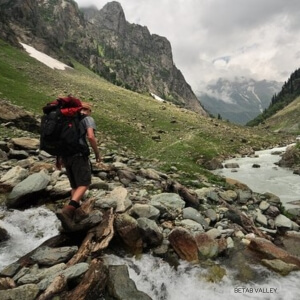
(79, 192)
(79, 174)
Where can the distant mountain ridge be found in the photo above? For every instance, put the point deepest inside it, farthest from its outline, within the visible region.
(125, 54)
(281, 101)
(238, 101)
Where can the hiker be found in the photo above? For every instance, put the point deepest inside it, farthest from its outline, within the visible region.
(78, 168)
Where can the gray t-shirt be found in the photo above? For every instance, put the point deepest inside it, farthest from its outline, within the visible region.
(85, 123)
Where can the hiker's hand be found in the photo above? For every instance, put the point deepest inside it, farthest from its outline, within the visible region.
(58, 163)
(98, 159)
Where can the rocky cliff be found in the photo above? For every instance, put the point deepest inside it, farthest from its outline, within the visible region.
(125, 54)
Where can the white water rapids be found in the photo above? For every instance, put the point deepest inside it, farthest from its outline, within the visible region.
(268, 178)
(29, 228)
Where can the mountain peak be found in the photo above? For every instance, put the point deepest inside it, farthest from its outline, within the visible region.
(112, 17)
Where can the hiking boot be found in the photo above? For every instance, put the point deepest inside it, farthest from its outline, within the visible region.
(79, 215)
(66, 222)
(68, 211)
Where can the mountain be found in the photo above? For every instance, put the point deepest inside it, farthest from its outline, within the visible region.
(150, 129)
(283, 111)
(102, 40)
(238, 101)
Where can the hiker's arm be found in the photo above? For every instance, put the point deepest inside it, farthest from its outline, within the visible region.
(93, 142)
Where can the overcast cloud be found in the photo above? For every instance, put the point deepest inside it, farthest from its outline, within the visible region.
(222, 38)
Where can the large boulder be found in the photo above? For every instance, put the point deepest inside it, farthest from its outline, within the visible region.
(268, 250)
(28, 191)
(11, 178)
(18, 116)
(121, 286)
(26, 143)
(184, 244)
(128, 229)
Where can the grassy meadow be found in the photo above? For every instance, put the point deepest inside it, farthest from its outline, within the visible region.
(151, 129)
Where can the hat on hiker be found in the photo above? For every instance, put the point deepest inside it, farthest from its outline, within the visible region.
(86, 105)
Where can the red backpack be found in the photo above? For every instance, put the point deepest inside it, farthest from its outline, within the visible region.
(60, 128)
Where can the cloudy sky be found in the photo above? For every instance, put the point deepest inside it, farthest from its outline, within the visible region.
(222, 38)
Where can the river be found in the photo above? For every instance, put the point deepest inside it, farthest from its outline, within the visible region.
(268, 177)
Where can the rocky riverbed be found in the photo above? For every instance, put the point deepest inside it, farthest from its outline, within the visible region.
(136, 209)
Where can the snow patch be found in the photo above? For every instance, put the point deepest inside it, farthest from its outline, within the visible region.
(44, 58)
(157, 97)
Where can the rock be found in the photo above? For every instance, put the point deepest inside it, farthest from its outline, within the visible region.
(151, 233)
(269, 251)
(256, 166)
(68, 226)
(295, 211)
(191, 225)
(4, 146)
(17, 154)
(214, 233)
(261, 219)
(121, 286)
(71, 273)
(272, 199)
(39, 166)
(150, 174)
(61, 189)
(10, 270)
(128, 229)
(244, 196)
(237, 184)
(213, 164)
(190, 197)
(282, 221)
(99, 184)
(7, 283)
(21, 118)
(184, 244)
(213, 196)
(229, 195)
(144, 210)
(126, 176)
(279, 266)
(264, 205)
(203, 192)
(207, 246)
(3, 234)
(231, 165)
(28, 190)
(272, 211)
(193, 214)
(211, 214)
(171, 201)
(25, 143)
(10, 179)
(106, 201)
(36, 275)
(215, 274)
(291, 242)
(3, 155)
(230, 243)
(50, 256)
(24, 292)
(120, 194)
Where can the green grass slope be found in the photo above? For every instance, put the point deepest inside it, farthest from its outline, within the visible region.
(152, 129)
(286, 120)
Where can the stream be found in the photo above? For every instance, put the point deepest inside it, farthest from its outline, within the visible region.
(268, 177)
